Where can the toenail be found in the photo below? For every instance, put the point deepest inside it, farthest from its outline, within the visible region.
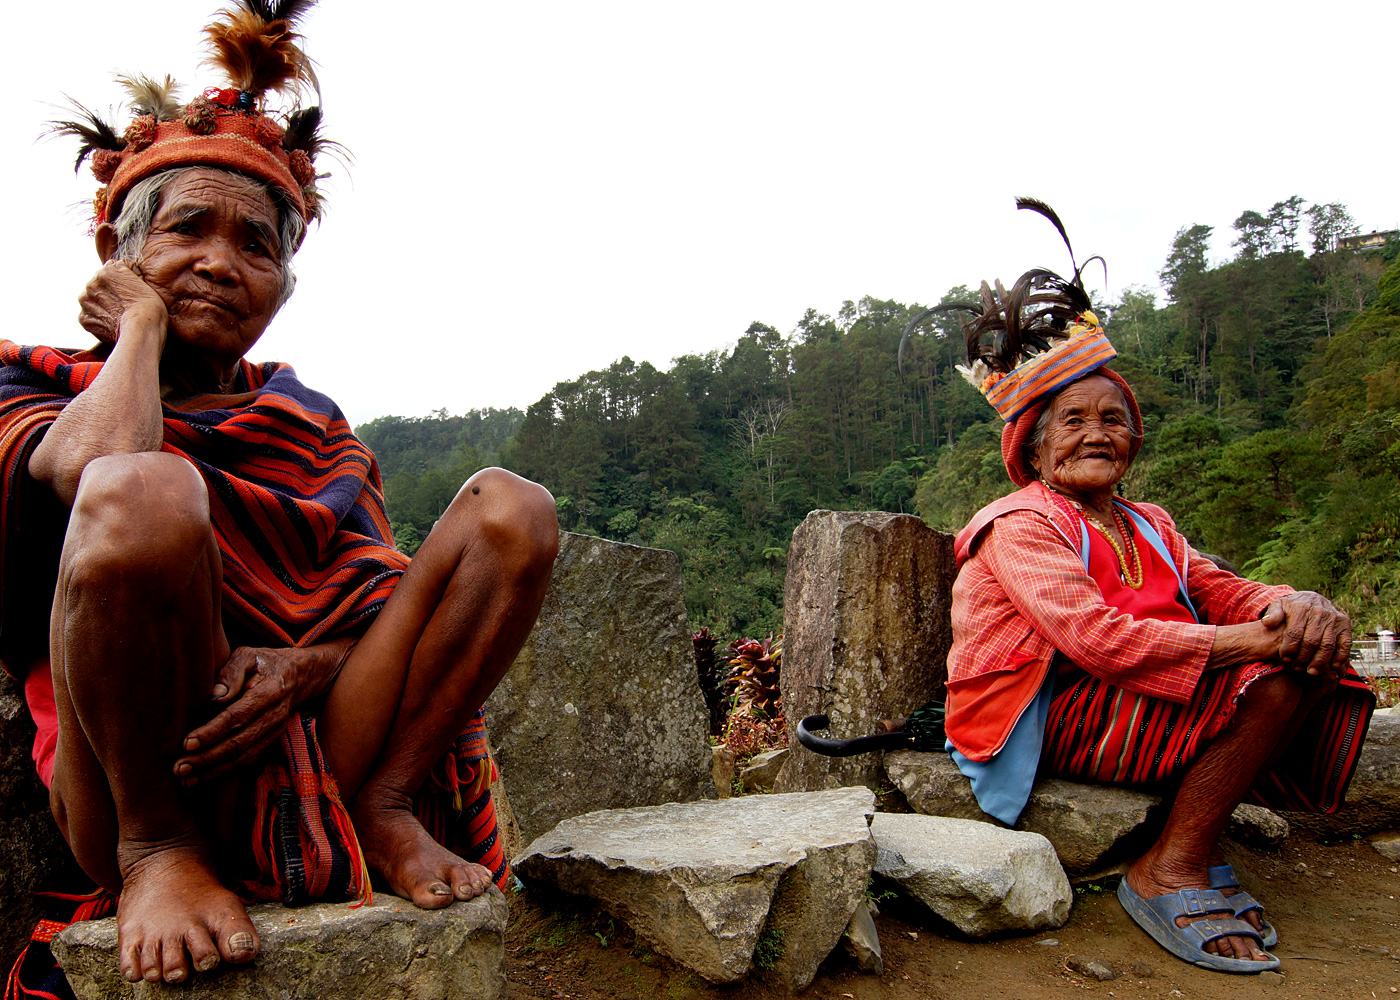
(241, 943)
(175, 976)
(208, 962)
(152, 975)
(439, 889)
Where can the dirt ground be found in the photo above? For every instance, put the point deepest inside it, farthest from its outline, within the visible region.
(1338, 919)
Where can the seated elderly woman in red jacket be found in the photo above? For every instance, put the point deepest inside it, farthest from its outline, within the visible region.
(1091, 642)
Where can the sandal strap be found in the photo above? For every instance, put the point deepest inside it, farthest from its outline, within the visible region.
(1213, 930)
(1204, 902)
(1222, 877)
(1243, 902)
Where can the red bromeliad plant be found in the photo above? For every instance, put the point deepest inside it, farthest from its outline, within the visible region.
(756, 722)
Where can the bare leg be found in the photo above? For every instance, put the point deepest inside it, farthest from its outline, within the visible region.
(135, 638)
(1210, 791)
(446, 636)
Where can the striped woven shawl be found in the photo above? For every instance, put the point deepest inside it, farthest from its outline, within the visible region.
(295, 499)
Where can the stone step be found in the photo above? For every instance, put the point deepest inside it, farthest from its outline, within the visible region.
(329, 951)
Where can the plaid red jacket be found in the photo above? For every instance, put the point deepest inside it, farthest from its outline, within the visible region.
(1022, 594)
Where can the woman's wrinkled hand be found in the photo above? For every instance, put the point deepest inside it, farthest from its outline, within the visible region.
(1315, 638)
(118, 292)
(260, 689)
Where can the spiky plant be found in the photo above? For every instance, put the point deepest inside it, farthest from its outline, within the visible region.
(753, 676)
(707, 673)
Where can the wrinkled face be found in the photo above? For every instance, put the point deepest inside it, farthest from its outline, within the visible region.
(212, 256)
(1088, 440)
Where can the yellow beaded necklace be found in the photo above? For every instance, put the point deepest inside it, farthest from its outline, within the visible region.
(1130, 568)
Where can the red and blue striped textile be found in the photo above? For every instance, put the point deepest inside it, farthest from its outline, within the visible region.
(294, 497)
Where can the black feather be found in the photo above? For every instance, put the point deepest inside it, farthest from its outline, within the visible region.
(1079, 281)
(303, 131)
(278, 10)
(918, 321)
(1038, 206)
(93, 132)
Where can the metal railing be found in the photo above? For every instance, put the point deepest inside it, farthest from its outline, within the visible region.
(1372, 657)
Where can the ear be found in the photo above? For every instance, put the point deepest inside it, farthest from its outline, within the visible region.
(106, 239)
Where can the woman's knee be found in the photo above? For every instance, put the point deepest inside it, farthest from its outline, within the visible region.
(136, 518)
(1272, 698)
(512, 514)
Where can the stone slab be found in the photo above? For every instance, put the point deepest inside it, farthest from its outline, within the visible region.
(1090, 826)
(331, 951)
(760, 882)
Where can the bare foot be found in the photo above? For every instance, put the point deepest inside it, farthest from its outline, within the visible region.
(1154, 877)
(415, 865)
(175, 914)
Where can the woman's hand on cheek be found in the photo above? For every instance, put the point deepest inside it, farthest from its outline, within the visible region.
(116, 294)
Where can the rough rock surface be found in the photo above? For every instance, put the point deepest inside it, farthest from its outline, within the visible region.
(1089, 825)
(325, 952)
(722, 770)
(31, 848)
(759, 774)
(979, 877)
(866, 614)
(1373, 800)
(1257, 825)
(603, 709)
(862, 941)
(706, 881)
(1387, 844)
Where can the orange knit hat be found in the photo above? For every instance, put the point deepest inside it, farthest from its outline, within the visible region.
(230, 127)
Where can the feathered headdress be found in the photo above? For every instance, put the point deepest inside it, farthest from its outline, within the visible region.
(255, 45)
(1027, 342)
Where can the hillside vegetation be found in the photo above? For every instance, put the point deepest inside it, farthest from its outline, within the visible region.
(1269, 383)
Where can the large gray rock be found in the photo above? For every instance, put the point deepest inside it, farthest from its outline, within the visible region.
(1373, 800)
(602, 708)
(764, 880)
(1090, 826)
(981, 878)
(324, 952)
(866, 615)
(31, 848)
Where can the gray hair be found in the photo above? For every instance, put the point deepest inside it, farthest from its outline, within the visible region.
(1042, 422)
(133, 223)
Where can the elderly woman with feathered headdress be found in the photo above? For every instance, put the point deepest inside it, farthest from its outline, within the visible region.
(1091, 642)
(242, 689)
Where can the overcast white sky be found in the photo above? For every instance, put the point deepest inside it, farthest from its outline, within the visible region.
(542, 188)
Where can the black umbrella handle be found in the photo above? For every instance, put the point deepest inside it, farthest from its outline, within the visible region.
(897, 740)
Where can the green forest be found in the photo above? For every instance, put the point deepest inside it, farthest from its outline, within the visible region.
(1269, 384)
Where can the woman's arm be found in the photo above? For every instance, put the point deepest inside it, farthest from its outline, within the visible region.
(120, 412)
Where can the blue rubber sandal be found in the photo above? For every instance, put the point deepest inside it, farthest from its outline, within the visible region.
(1157, 916)
(1224, 877)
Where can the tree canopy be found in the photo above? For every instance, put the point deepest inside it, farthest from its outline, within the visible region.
(1269, 383)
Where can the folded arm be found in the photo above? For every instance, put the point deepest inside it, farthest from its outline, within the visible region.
(1044, 579)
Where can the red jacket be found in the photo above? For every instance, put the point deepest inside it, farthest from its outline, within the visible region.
(1022, 594)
